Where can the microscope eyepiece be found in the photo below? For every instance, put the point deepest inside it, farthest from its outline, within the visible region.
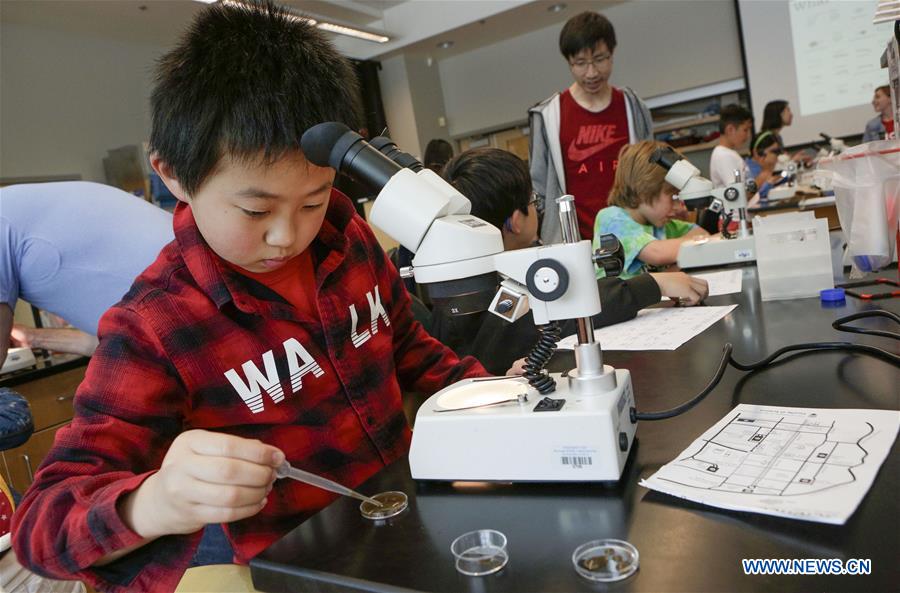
(334, 145)
(665, 157)
(388, 148)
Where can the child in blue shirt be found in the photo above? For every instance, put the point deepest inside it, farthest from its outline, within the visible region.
(641, 213)
(761, 164)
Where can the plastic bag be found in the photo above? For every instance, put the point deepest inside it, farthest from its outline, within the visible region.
(866, 181)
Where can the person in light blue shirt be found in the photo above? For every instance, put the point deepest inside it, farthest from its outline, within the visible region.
(72, 249)
(641, 213)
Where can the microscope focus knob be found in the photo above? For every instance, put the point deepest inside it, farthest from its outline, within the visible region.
(505, 306)
(731, 194)
(610, 257)
(547, 279)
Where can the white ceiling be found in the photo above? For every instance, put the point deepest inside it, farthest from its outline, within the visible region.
(415, 26)
(527, 17)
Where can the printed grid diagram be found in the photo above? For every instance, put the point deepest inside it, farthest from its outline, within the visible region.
(775, 456)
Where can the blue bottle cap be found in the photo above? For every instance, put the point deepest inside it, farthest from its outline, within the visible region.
(832, 295)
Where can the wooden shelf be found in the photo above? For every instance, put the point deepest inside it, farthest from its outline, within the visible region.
(685, 123)
(697, 147)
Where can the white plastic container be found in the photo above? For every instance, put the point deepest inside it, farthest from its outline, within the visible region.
(793, 255)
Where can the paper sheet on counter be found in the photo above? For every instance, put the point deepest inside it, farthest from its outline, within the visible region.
(655, 329)
(724, 282)
(801, 463)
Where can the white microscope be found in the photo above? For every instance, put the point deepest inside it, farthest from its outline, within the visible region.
(696, 191)
(498, 429)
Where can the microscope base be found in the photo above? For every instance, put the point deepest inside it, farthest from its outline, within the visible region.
(716, 251)
(586, 440)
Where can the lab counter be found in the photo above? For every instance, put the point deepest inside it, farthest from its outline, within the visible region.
(683, 546)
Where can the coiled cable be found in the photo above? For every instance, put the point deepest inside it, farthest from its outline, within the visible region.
(539, 356)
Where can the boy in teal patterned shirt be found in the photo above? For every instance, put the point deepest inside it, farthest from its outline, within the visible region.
(641, 213)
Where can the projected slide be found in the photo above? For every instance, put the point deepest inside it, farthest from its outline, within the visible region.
(836, 51)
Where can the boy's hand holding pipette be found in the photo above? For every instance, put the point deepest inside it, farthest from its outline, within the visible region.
(206, 477)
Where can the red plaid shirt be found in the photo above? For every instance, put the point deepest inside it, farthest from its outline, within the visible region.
(195, 344)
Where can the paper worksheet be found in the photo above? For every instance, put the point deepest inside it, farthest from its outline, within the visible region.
(725, 282)
(801, 463)
(655, 329)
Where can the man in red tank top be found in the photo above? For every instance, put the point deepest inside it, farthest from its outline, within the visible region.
(577, 134)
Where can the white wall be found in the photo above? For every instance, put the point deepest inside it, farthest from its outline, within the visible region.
(398, 105)
(66, 99)
(663, 47)
(428, 100)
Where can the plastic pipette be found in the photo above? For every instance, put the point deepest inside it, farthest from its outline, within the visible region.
(286, 471)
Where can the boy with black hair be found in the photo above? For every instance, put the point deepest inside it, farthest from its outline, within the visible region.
(735, 123)
(272, 328)
(499, 186)
(576, 135)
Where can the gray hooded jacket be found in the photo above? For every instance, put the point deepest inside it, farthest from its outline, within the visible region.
(548, 176)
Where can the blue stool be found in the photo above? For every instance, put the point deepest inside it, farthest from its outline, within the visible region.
(16, 423)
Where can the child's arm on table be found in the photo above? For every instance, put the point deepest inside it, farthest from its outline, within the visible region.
(697, 231)
(662, 252)
(682, 287)
(67, 340)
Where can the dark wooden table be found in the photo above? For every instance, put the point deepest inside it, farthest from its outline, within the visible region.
(683, 546)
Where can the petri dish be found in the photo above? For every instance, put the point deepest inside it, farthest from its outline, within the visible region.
(393, 503)
(605, 560)
(479, 553)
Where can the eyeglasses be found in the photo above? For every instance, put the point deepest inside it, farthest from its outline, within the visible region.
(507, 224)
(583, 65)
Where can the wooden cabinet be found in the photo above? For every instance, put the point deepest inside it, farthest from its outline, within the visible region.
(20, 464)
(514, 140)
(50, 398)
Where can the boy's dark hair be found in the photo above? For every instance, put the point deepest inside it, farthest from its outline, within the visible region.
(585, 31)
(762, 142)
(733, 115)
(437, 154)
(886, 89)
(245, 79)
(497, 183)
(772, 115)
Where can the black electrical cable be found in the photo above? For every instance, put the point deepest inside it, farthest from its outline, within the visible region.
(812, 346)
(841, 324)
(682, 408)
(727, 359)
